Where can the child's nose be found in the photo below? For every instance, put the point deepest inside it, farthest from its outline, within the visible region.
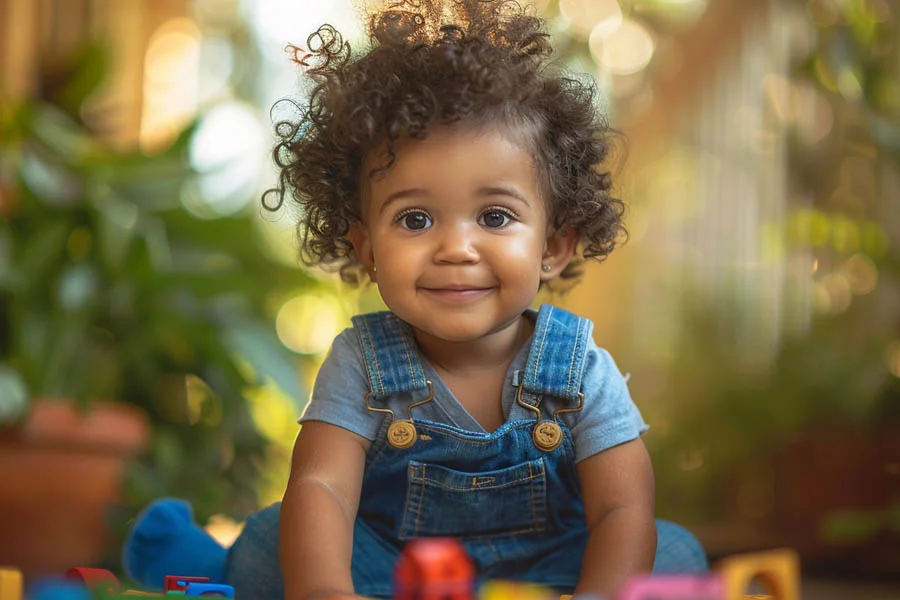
(456, 245)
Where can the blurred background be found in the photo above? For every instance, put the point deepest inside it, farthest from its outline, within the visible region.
(158, 336)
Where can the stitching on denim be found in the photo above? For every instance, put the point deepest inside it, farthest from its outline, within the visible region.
(540, 353)
(544, 332)
(385, 325)
(509, 471)
(572, 359)
(420, 503)
(542, 499)
(584, 332)
(379, 444)
(371, 355)
(376, 363)
(490, 545)
(502, 486)
(505, 533)
(413, 364)
(407, 502)
(531, 493)
(463, 438)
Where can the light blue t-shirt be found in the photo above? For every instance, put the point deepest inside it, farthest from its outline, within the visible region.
(609, 416)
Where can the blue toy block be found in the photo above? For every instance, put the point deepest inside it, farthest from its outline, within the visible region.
(216, 590)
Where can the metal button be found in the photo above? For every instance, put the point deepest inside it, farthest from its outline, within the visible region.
(401, 434)
(547, 435)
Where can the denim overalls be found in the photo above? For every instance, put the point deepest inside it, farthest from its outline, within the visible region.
(512, 496)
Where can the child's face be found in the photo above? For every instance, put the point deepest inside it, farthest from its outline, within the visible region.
(455, 233)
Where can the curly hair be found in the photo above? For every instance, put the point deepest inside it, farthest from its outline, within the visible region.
(488, 67)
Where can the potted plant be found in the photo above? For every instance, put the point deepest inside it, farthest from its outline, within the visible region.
(129, 329)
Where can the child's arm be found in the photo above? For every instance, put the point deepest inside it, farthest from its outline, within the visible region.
(617, 485)
(319, 510)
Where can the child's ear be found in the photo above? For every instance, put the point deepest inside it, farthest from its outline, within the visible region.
(558, 251)
(358, 236)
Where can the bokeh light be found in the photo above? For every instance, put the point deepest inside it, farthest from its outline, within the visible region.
(892, 358)
(228, 150)
(308, 323)
(801, 105)
(586, 17)
(862, 273)
(171, 82)
(625, 50)
(832, 294)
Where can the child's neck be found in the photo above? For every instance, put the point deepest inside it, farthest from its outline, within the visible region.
(488, 353)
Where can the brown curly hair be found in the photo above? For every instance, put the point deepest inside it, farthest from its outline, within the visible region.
(489, 67)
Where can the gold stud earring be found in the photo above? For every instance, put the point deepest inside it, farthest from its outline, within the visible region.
(546, 268)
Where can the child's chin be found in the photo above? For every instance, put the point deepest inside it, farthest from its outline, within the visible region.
(456, 329)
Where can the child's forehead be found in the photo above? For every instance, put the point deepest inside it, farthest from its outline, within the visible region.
(393, 159)
(450, 158)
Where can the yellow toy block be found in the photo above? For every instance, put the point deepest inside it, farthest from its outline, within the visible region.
(778, 570)
(10, 584)
(515, 590)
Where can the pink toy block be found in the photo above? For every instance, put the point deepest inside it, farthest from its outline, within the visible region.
(673, 587)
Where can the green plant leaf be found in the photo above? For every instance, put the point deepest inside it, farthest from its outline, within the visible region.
(89, 69)
(38, 255)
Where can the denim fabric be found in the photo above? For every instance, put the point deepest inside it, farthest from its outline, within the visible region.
(516, 508)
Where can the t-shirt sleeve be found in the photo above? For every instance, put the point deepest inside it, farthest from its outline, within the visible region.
(338, 396)
(609, 417)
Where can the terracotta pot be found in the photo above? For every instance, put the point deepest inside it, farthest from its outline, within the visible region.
(60, 471)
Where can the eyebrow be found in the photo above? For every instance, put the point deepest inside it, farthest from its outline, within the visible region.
(488, 190)
(409, 193)
(502, 190)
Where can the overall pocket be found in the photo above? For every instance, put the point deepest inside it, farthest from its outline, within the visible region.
(445, 502)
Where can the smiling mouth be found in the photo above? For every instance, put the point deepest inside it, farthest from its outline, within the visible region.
(457, 293)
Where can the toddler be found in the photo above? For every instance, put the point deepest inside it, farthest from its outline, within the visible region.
(457, 169)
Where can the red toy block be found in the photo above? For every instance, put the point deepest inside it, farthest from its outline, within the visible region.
(95, 579)
(179, 583)
(434, 569)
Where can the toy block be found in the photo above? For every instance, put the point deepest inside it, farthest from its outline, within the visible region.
(515, 590)
(216, 590)
(778, 570)
(434, 569)
(58, 588)
(95, 579)
(672, 587)
(181, 582)
(10, 584)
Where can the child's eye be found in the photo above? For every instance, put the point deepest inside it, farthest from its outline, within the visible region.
(414, 220)
(496, 218)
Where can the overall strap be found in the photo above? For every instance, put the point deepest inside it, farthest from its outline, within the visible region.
(391, 356)
(556, 359)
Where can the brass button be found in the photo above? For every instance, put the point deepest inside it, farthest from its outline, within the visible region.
(547, 436)
(401, 434)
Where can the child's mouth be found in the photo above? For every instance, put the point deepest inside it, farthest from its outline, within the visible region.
(458, 294)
